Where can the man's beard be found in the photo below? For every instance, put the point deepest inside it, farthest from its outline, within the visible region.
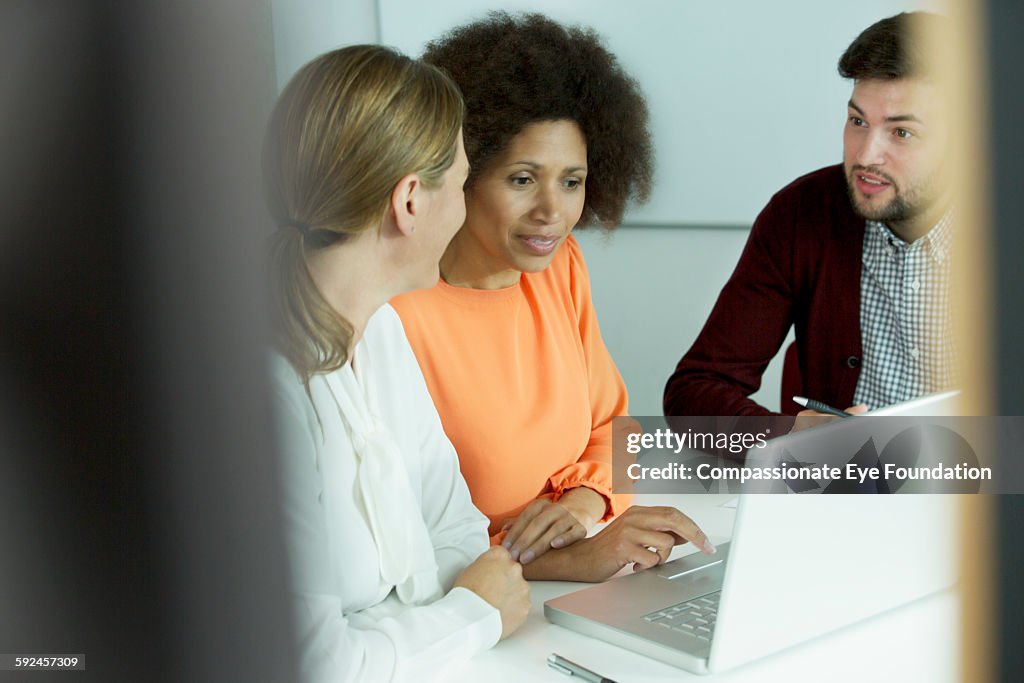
(902, 207)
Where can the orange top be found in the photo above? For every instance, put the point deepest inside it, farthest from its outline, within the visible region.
(523, 382)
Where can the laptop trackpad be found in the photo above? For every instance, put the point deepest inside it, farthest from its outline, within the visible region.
(634, 595)
(691, 563)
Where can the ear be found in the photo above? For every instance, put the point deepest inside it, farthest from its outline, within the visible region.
(408, 202)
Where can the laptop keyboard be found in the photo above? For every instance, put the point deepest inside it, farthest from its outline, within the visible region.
(694, 617)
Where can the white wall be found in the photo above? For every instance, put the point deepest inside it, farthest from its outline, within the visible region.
(654, 288)
(744, 97)
(304, 29)
(744, 94)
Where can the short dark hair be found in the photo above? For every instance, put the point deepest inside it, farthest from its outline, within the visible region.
(517, 70)
(892, 48)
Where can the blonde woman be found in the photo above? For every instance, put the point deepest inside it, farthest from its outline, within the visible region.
(391, 569)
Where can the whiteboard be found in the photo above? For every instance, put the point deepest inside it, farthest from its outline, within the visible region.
(744, 95)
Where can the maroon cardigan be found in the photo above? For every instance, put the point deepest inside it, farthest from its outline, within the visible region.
(801, 266)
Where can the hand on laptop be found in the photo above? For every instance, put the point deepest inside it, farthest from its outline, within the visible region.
(544, 525)
(642, 536)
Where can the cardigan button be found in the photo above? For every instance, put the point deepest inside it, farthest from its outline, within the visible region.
(853, 362)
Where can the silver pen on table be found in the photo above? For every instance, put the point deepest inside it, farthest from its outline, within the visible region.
(559, 663)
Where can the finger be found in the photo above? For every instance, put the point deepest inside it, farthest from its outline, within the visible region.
(576, 532)
(539, 528)
(663, 553)
(521, 522)
(676, 522)
(858, 409)
(660, 541)
(565, 525)
(642, 558)
(507, 523)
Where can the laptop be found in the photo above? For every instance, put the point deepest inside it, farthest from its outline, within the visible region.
(841, 559)
(945, 404)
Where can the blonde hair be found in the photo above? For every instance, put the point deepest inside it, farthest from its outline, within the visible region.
(347, 127)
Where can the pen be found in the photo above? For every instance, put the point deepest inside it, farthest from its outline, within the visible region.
(563, 665)
(811, 404)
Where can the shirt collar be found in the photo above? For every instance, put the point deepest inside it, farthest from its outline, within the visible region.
(937, 241)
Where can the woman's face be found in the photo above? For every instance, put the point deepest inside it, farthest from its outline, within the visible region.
(445, 214)
(521, 208)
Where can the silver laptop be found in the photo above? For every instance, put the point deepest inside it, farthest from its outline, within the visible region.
(797, 567)
(945, 404)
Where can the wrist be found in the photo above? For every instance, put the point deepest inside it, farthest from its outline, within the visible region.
(554, 565)
(585, 504)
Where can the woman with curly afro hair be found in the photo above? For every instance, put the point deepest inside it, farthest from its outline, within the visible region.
(556, 135)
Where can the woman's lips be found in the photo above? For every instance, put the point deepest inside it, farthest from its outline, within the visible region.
(541, 245)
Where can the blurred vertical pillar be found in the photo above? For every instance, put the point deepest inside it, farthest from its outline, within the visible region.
(1004, 29)
(987, 62)
(138, 510)
(965, 68)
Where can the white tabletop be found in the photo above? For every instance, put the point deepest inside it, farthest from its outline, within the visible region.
(916, 642)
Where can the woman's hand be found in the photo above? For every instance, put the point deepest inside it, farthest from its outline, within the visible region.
(544, 525)
(641, 536)
(496, 578)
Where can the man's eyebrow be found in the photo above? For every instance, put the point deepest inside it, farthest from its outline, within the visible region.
(889, 119)
(905, 117)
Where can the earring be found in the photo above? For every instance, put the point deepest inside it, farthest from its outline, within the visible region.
(412, 228)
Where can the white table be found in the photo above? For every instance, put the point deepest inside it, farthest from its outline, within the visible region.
(917, 642)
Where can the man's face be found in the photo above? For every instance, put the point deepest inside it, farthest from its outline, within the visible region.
(895, 147)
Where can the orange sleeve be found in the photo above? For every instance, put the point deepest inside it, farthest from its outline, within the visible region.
(608, 399)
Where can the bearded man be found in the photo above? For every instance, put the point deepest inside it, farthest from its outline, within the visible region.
(856, 256)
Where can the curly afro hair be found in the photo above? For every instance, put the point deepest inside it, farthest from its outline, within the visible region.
(522, 69)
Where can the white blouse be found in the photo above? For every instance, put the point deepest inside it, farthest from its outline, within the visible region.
(368, 433)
